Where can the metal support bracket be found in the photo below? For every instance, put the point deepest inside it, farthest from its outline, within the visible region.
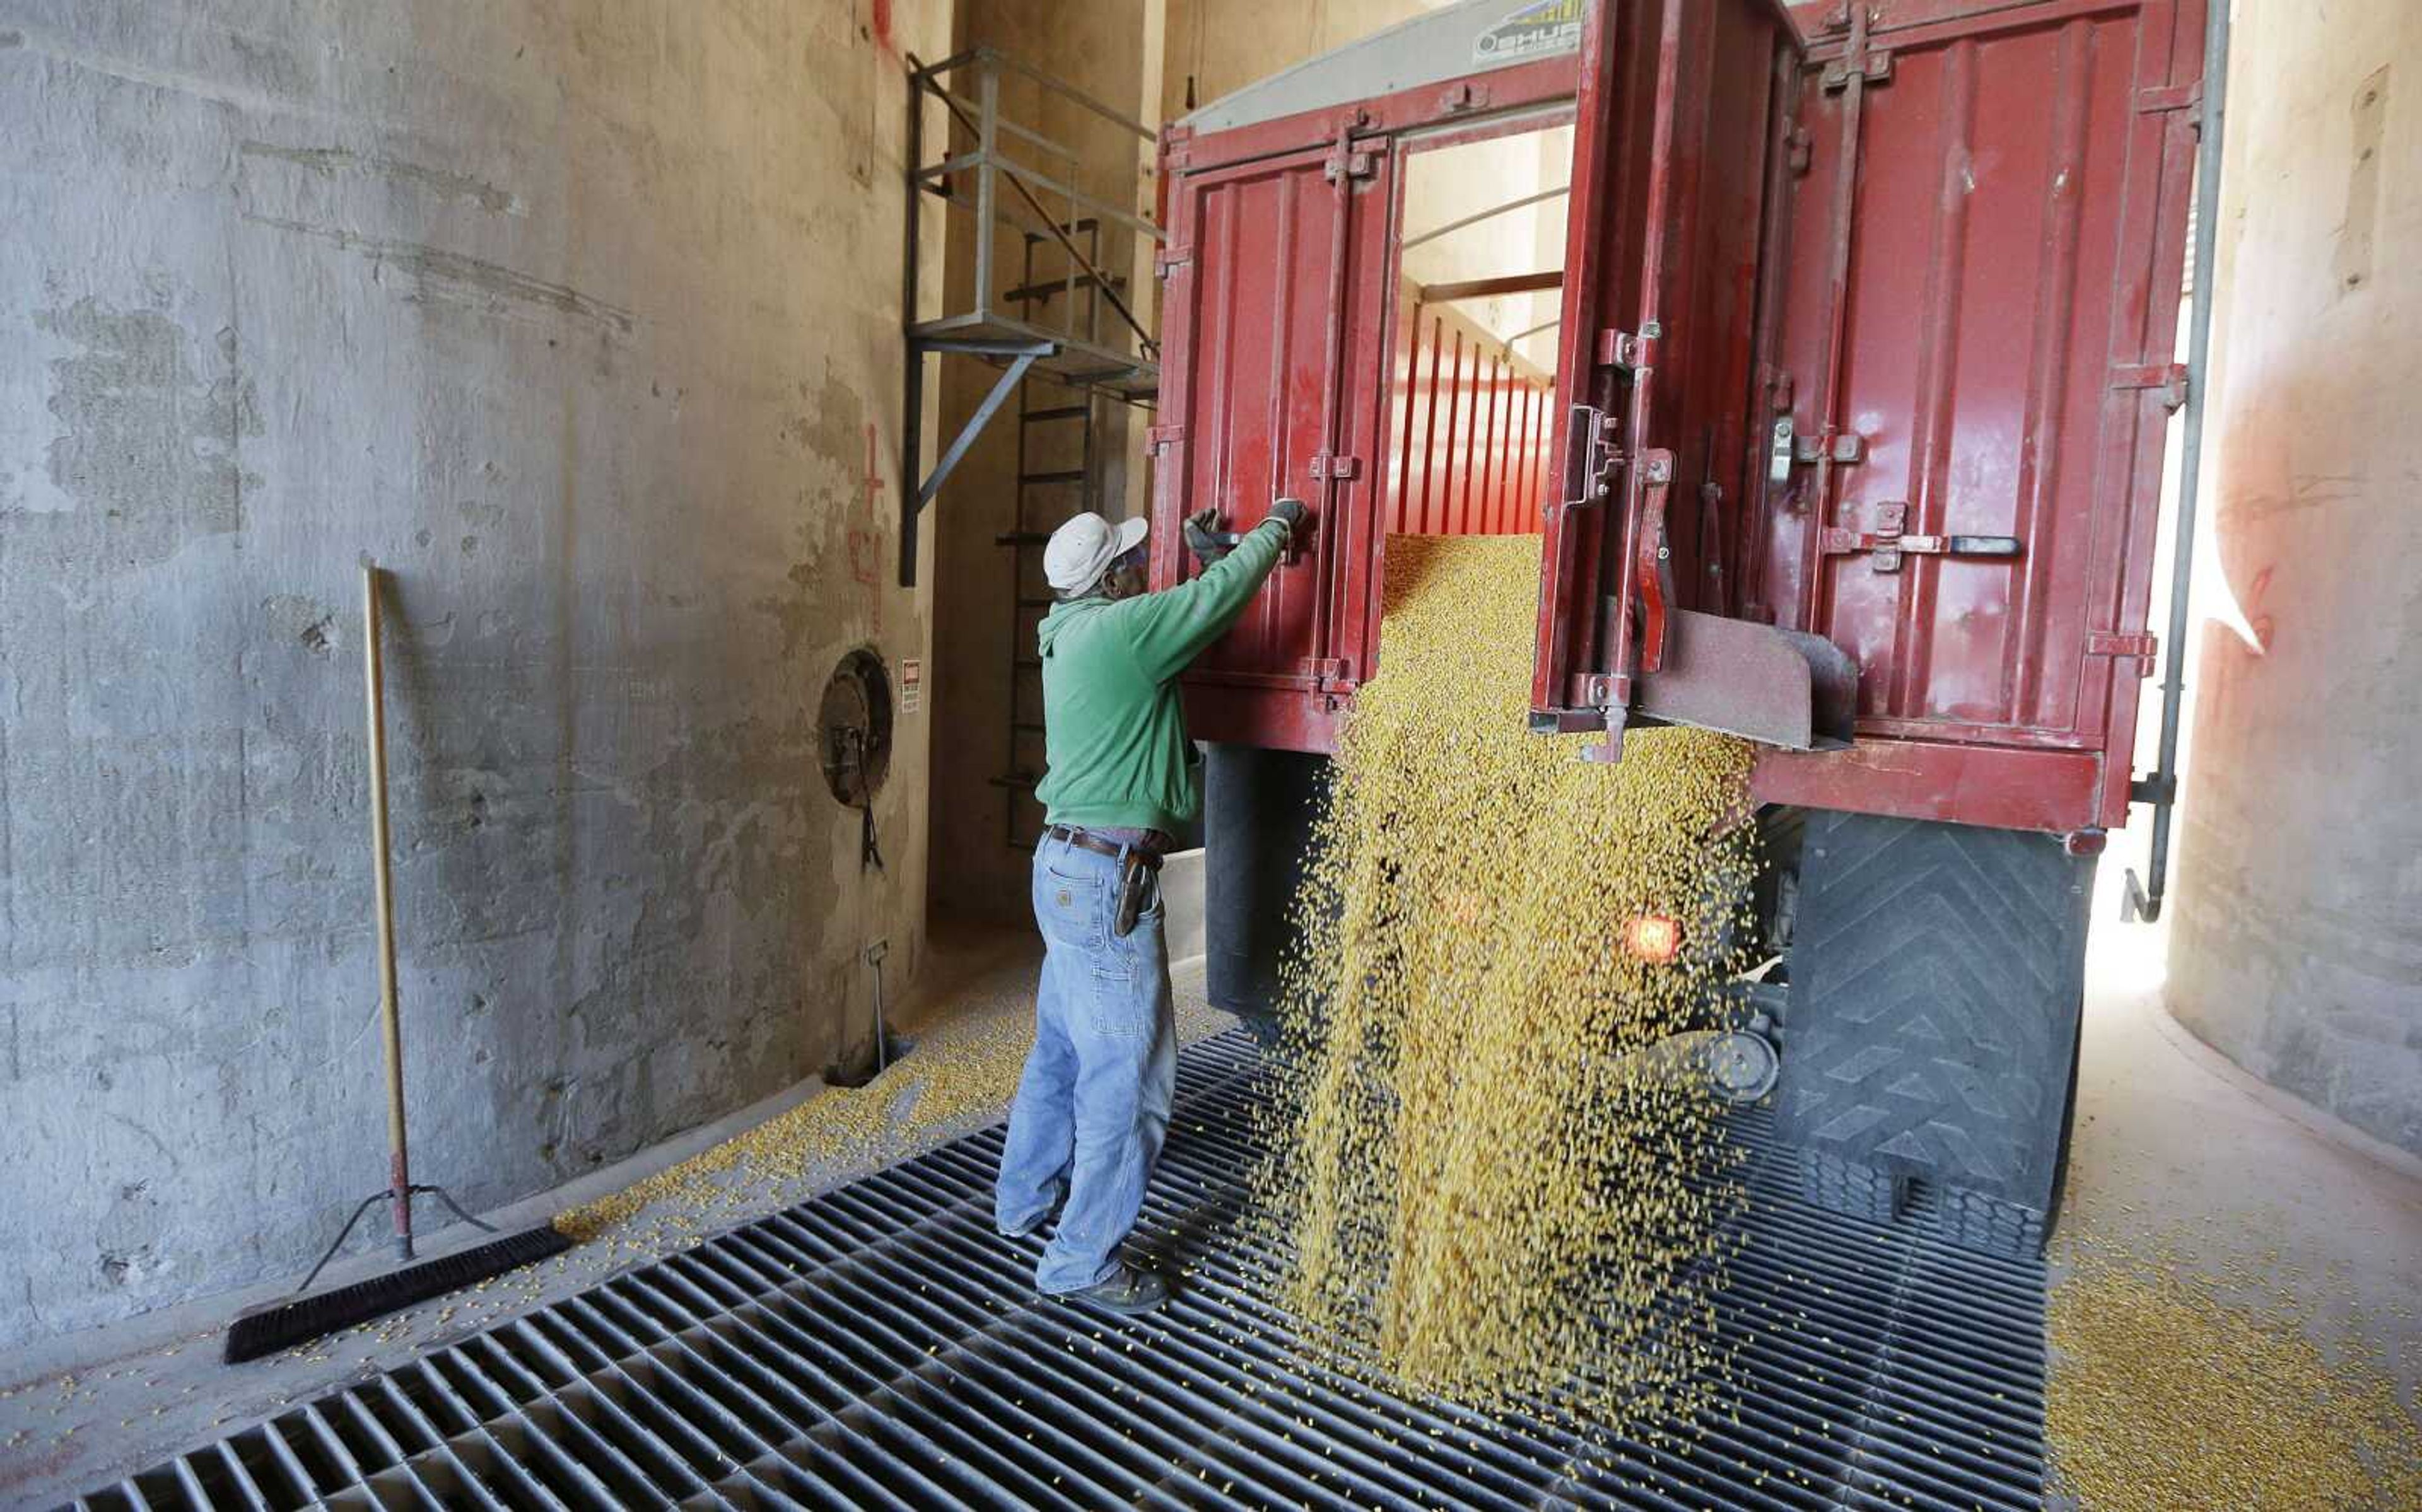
(1021, 355)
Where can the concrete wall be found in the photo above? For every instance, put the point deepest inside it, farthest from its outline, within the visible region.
(581, 318)
(2297, 948)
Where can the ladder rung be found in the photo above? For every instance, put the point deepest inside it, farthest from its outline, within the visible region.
(1057, 412)
(1022, 538)
(1067, 474)
(1016, 779)
(1027, 726)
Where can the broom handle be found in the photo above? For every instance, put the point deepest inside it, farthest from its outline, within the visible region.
(390, 1022)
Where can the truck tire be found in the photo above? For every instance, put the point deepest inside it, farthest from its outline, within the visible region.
(1937, 972)
(1849, 1189)
(1978, 1220)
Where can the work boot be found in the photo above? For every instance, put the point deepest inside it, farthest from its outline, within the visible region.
(1127, 1290)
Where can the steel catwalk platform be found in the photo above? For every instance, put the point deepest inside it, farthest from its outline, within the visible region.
(879, 1346)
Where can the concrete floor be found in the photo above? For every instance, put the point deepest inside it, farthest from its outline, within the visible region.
(2177, 1155)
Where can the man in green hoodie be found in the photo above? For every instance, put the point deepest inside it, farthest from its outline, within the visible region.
(1093, 1104)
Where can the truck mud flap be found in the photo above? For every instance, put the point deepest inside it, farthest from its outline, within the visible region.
(1936, 972)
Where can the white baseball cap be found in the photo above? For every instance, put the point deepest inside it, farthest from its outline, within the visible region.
(1080, 550)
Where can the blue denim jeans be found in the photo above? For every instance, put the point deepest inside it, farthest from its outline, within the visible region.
(1093, 1105)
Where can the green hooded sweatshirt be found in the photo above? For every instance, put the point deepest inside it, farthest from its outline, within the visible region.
(1114, 732)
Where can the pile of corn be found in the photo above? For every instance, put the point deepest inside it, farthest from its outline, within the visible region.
(960, 1076)
(2166, 1393)
(1489, 1182)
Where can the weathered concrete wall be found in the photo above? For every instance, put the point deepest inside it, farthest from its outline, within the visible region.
(580, 317)
(2297, 947)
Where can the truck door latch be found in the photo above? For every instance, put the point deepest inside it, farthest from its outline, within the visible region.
(1888, 543)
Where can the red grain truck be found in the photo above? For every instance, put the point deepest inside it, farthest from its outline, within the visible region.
(1840, 417)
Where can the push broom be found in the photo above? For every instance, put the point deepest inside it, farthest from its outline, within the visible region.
(280, 1325)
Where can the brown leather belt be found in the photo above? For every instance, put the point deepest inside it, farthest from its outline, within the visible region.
(1144, 855)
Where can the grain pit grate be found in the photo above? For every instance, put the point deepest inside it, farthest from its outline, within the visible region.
(878, 1346)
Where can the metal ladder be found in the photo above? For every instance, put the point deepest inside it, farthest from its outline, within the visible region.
(1036, 517)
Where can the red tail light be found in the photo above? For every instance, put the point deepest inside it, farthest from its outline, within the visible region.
(1654, 937)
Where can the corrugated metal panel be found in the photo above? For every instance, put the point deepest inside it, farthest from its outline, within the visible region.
(880, 1346)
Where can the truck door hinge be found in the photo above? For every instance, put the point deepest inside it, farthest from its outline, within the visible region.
(1346, 160)
(1629, 351)
(1327, 466)
(2143, 647)
(2170, 378)
(2162, 98)
(1888, 543)
(1169, 261)
(1327, 673)
(1797, 146)
(1158, 437)
(1848, 447)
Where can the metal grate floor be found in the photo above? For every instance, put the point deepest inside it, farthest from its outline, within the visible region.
(880, 1346)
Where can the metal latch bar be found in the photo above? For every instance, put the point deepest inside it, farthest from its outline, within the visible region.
(1888, 542)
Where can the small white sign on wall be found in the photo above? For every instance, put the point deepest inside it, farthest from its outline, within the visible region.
(912, 684)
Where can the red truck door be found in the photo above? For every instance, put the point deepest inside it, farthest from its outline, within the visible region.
(1274, 284)
(1946, 444)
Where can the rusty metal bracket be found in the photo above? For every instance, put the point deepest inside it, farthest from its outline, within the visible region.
(2142, 646)
(1870, 64)
(1326, 465)
(1846, 446)
(2170, 378)
(1463, 97)
(2162, 98)
(1798, 147)
(1888, 542)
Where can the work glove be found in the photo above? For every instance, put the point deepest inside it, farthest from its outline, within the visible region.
(1295, 516)
(1202, 536)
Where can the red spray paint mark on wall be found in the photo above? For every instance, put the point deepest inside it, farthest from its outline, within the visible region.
(866, 537)
(879, 17)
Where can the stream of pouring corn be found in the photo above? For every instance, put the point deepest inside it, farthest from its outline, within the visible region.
(1490, 1184)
